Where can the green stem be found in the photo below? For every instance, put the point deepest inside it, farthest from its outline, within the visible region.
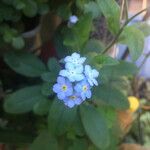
(120, 31)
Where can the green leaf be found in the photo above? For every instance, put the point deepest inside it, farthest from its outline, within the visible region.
(109, 95)
(92, 7)
(111, 11)
(79, 144)
(95, 126)
(49, 77)
(110, 115)
(23, 100)
(143, 27)
(42, 107)
(15, 137)
(76, 36)
(44, 142)
(47, 89)
(64, 12)
(109, 73)
(104, 60)
(53, 65)
(60, 117)
(93, 45)
(18, 42)
(25, 64)
(30, 8)
(134, 39)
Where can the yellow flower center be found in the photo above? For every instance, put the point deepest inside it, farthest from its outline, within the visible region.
(64, 87)
(73, 97)
(84, 88)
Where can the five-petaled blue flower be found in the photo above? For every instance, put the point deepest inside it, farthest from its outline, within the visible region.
(75, 81)
(75, 59)
(91, 74)
(72, 73)
(83, 88)
(63, 88)
(73, 100)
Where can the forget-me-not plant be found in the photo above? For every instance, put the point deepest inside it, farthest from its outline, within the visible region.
(75, 81)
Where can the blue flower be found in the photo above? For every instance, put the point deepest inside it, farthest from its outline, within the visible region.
(73, 100)
(83, 88)
(73, 19)
(72, 73)
(91, 74)
(75, 59)
(63, 88)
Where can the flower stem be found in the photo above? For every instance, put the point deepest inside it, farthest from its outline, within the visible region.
(120, 31)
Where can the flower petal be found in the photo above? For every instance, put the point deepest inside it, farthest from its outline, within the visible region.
(56, 88)
(88, 94)
(75, 55)
(61, 95)
(61, 80)
(63, 73)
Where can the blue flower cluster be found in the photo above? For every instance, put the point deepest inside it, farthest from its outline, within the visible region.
(74, 83)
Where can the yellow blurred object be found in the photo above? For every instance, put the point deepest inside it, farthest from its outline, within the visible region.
(134, 103)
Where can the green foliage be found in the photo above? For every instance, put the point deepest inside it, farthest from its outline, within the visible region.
(95, 126)
(44, 142)
(134, 39)
(60, 118)
(111, 11)
(12, 13)
(23, 100)
(25, 64)
(77, 36)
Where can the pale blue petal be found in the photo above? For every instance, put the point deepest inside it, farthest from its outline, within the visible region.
(68, 59)
(79, 69)
(78, 101)
(56, 88)
(95, 82)
(78, 88)
(69, 92)
(63, 73)
(82, 60)
(83, 96)
(61, 80)
(61, 95)
(95, 73)
(70, 103)
(69, 66)
(88, 94)
(71, 78)
(90, 82)
(79, 77)
(75, 55)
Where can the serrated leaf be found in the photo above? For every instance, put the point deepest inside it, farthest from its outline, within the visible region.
(95, 126)
(111, 11)
(23, 100)
(44, 142)
(134, 39)
(25, 64)
(60, 117)
(109, 95)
